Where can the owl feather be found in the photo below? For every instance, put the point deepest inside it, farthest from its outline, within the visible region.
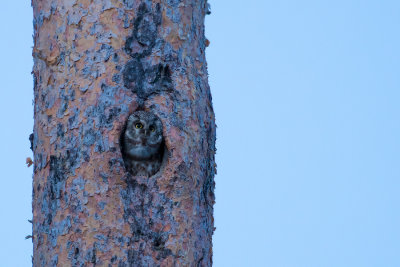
(143, 144)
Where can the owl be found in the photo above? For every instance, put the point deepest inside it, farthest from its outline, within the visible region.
(143, 144)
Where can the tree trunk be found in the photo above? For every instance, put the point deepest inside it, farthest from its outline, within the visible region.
(95, 63)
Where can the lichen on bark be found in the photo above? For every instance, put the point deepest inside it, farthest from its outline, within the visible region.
(96, 62)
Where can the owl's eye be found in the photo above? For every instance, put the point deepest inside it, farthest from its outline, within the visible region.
(152, 128)
(138, 125)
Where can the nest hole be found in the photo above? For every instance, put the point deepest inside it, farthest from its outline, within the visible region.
(142, 144)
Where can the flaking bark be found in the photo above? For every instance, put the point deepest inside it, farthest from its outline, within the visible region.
(96, 62)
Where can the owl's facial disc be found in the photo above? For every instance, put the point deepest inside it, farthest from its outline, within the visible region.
(143, 138)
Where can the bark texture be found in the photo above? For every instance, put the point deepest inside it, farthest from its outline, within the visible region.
(96, 62)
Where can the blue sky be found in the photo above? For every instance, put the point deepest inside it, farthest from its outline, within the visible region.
(306, 95)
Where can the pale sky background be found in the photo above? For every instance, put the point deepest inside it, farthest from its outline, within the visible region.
(307, 101)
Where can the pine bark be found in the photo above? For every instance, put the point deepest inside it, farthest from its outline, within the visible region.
(96, 62)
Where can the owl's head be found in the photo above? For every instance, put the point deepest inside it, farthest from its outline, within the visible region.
(143, 136)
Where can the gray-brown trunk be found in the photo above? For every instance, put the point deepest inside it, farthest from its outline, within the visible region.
(95, 63)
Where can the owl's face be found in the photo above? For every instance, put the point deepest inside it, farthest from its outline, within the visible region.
(143, 136)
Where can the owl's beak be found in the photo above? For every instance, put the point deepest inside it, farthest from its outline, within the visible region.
(144, 141)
